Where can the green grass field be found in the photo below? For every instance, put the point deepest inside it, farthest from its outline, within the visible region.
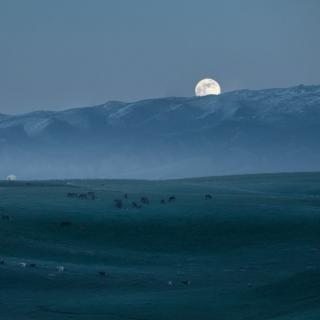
(252, 252)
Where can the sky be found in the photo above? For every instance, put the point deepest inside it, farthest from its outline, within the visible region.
(58, 54)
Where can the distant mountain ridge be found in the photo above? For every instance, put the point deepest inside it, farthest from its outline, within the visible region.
(236, 132)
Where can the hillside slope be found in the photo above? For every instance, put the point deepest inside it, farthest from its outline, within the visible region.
(236, 132)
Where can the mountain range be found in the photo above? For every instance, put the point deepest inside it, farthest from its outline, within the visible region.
(246, 131)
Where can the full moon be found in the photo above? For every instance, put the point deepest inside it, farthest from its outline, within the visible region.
(207, 86)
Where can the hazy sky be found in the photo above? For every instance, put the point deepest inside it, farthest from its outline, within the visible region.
(56, 54)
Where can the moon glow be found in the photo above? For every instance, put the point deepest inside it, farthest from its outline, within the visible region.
(207, 86)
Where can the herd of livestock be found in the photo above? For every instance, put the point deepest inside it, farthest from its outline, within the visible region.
(119, 202)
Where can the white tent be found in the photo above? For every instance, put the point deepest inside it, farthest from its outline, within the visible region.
(11, 177)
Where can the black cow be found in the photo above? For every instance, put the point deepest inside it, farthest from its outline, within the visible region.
(172, 199)
(72, 195)
(135, 205)
(65, 224)
(208, 196)
(144, 200)
(118, 203)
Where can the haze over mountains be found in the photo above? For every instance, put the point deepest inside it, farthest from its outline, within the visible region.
(273, 130)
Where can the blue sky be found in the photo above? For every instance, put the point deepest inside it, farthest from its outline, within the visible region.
(65, 53)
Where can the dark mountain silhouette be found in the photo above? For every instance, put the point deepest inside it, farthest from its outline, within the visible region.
(237, 132)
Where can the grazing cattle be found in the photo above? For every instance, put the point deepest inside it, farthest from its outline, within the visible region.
(144, 200)
(126, 196)
(208, 196)
(172, 199)
(60, 269)
(72, 195)
(83, 196)
(170, 283)
(91, 195)
(22, 264)
(6, 217)
(32, 265)
(2, 261)
(65, 224)
(102, 273)
(163, 201)
(118, 203)
(135, 205)
(186, 282)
